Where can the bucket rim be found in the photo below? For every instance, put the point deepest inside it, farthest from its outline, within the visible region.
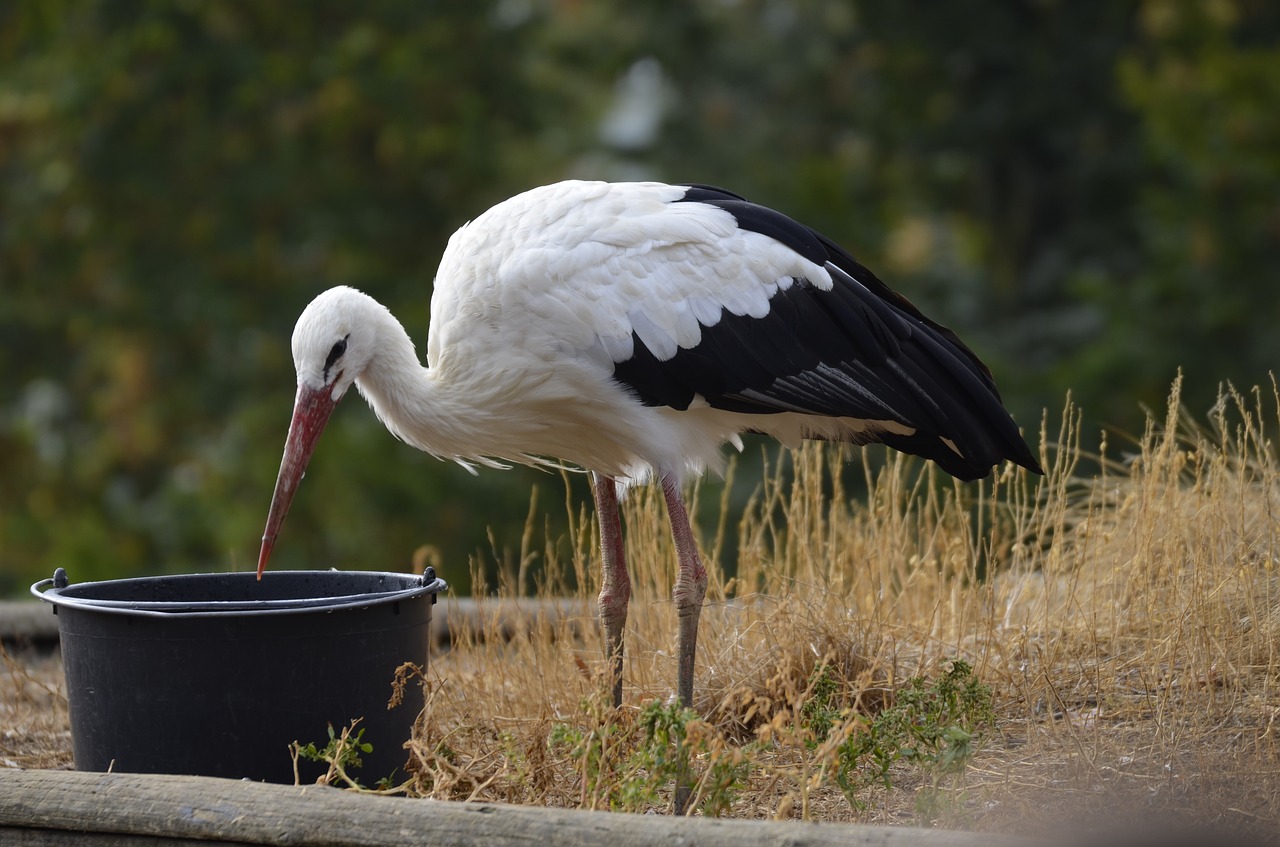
(50, 591)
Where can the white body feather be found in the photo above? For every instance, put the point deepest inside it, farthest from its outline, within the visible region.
(534, 302)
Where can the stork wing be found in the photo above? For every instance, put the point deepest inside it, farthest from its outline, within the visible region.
(854, 349)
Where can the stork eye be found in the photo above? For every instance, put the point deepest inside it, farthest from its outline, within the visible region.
(336, 353)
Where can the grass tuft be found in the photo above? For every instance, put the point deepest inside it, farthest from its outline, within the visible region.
(894, 646)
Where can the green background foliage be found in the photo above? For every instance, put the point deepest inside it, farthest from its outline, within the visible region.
(1087, 191)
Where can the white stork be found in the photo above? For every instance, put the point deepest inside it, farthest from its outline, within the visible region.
(631, 329)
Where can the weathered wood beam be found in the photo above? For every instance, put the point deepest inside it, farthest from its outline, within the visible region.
(64, 808)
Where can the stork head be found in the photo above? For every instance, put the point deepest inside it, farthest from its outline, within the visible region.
(333, 343)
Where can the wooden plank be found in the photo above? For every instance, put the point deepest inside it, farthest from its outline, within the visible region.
(24, 837)
(454, 616)
(32, 622)
(27, 622)
(41, 804)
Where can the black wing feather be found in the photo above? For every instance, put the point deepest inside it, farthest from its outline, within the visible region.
(860, 350)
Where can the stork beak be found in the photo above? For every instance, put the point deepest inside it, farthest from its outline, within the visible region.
(311, 410)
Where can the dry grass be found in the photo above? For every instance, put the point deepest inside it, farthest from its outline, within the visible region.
(34, 727)
(1127, 623)
(1128, 626)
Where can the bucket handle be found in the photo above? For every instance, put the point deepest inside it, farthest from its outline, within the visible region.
(58, 580)
(428, 582)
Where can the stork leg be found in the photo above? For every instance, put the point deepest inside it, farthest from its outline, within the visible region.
(690, 589)
(615, 586)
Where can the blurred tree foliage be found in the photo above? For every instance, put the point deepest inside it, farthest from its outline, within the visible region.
(1088, 191)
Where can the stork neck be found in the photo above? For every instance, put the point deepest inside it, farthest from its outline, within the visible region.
(410, 400)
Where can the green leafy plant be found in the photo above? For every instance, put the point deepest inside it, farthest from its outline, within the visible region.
(821, 712)
(932, 724)
(626, 763)
(342, 752)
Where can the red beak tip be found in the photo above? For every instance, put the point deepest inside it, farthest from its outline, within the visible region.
(263, 555)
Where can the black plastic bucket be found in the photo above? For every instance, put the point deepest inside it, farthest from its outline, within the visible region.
(217, 674)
